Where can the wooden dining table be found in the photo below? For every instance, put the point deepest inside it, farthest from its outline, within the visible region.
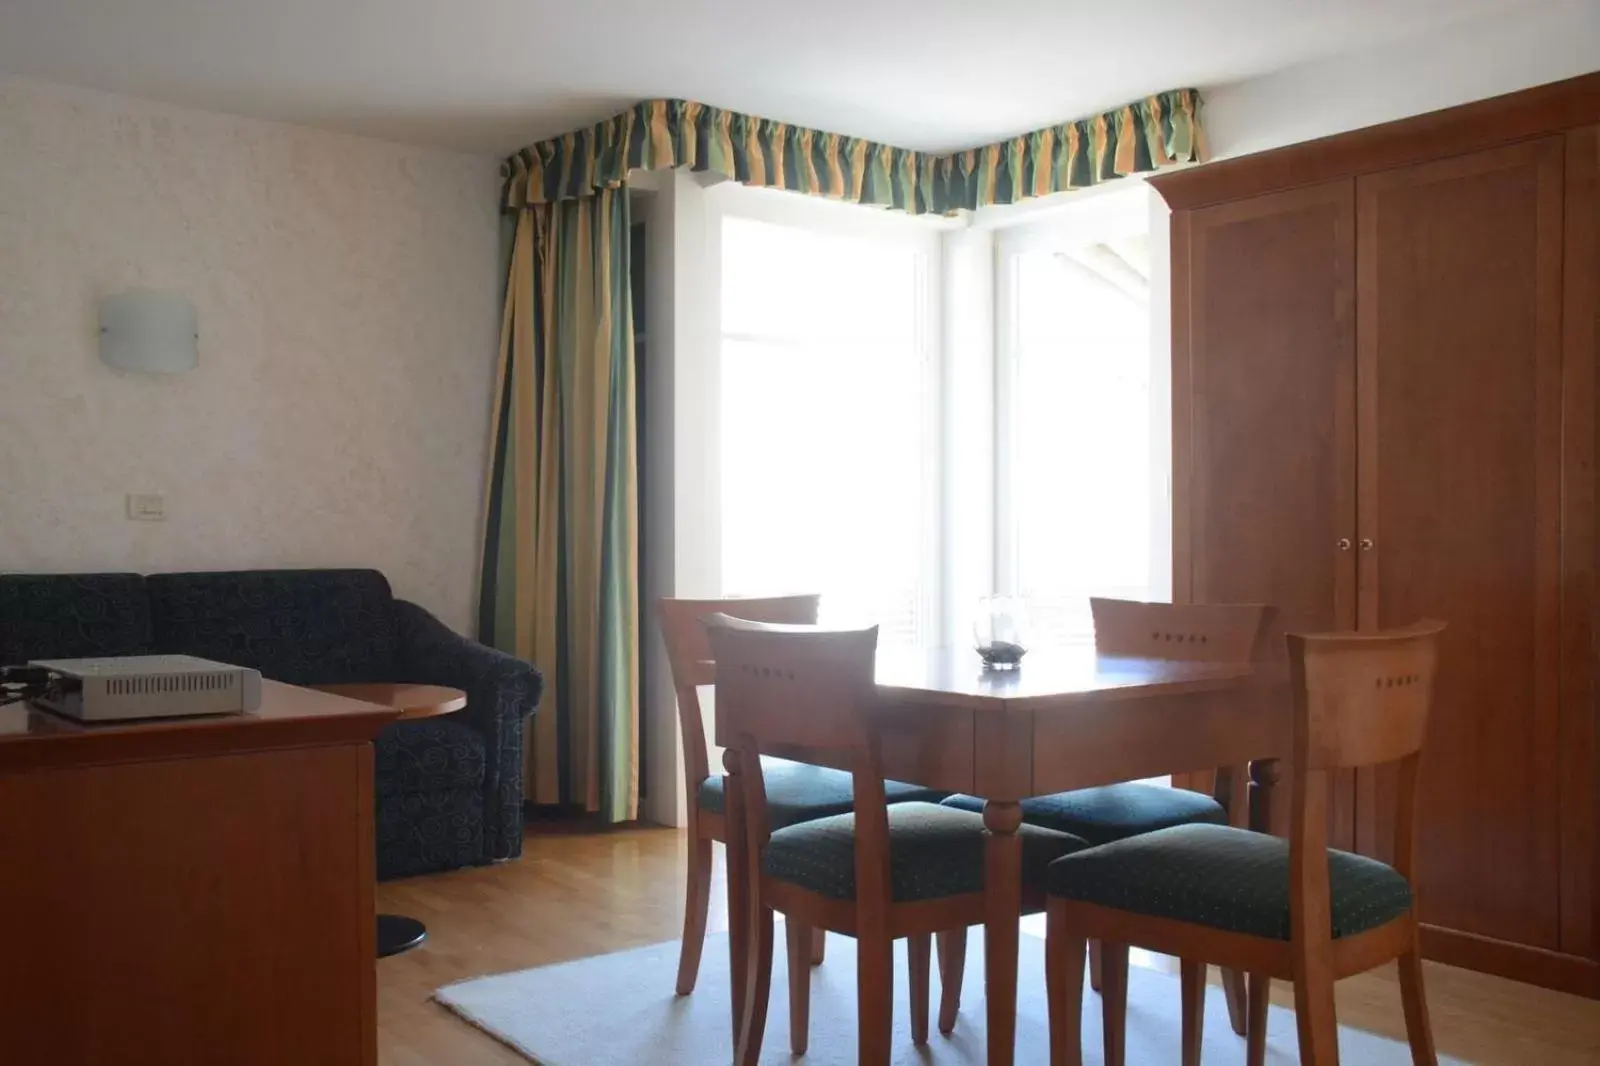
(1065, 719)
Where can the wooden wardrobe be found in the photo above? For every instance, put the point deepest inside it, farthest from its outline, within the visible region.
(1384, 405)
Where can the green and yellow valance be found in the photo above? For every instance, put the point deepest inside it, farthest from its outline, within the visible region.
(653, 134)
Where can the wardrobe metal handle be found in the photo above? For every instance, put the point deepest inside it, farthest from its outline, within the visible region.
(1366, 544)
(1344, 544)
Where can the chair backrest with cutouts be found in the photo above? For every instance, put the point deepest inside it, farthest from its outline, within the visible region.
(805, 693)
(689, 657)
(793, 687)
(1199, 632)
(1360, 700)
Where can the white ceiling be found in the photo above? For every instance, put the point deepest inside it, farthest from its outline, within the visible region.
(492, 75)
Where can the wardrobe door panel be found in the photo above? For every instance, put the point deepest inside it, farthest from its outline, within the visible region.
(1580, 791)
(1460, 452)
(1263, 396)
(1271, 380)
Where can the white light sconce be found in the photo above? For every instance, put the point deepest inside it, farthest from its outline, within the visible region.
(152, 332)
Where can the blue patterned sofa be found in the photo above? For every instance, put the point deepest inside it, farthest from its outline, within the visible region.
(449, 789)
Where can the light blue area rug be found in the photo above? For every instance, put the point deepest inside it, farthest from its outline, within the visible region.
(619, 1009)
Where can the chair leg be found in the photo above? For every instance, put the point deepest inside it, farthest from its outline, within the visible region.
(1063, 973)
(1193, 978)
(1418, 1032)
(919, 949)
(1315, 1019)
(753, 1025)
(1095, 951)
(952, 968)
(819, 946)
(696, 903)
(874, 999)
(1260, 991)
(1234, 992)
(799, 943)
(1114, 1001)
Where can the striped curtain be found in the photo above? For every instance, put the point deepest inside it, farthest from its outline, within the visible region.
(1136, 138)
(560, 566)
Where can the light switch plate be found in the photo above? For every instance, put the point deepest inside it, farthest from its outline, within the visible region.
(147, 507)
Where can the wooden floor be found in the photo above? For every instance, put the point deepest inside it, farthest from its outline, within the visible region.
(574, 895)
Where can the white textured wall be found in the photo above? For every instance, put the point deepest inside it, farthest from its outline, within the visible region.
(1473, 60)
(348, 302)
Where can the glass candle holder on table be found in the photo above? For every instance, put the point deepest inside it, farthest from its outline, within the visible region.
(1000, 631)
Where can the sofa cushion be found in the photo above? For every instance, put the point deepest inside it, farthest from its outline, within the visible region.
(428, 755)
(71, 616)
(305, 627)
(425, 832)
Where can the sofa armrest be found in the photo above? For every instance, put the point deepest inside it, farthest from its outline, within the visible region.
(502, 691)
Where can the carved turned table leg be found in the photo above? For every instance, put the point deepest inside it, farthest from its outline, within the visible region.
(1003, 887)
(1264, 777)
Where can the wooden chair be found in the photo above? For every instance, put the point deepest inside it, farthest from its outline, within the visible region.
(880, 873)
(797, 792)
(1223, 633)
(1293, 909)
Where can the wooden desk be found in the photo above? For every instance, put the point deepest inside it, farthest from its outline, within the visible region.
(190, 890)
(1067, 719)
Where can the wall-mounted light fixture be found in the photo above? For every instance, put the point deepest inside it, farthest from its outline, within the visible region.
(154, 332)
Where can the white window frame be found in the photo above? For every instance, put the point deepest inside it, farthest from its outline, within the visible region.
(730, 199)
(1085, 219)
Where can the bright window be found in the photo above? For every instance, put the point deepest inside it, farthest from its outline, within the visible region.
(1075, 481)
(828, 440)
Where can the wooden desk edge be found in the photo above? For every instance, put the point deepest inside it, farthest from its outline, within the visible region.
(358, 723)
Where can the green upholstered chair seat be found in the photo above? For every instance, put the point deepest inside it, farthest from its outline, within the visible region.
(1112, 812)
(934, 852)
(1224, 878)
(799, 792)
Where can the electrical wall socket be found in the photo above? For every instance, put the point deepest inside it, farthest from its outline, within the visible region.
(146, 506)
